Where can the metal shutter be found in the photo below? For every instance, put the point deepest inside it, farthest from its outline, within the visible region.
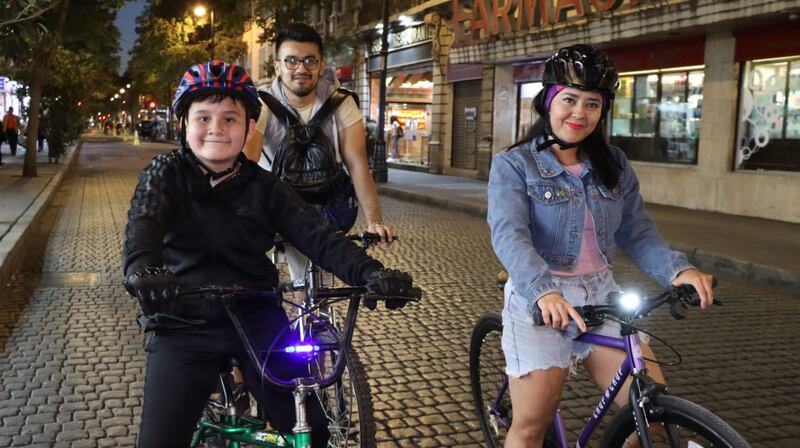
(466, 114)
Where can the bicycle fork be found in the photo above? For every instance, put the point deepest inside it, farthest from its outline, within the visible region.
(640, 396)
(302, 429)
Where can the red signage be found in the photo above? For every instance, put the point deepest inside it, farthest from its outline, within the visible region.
(772, 42)
(495, 17)
(528, 71)
(344, 73)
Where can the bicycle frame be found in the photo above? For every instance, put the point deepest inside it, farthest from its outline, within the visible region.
(248, 431)
(632, 365)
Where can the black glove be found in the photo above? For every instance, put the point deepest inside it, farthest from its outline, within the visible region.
(389, 283)
(153, 287)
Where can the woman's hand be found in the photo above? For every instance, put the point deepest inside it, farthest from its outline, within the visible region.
(702, 282)
(556, 312)
(384, 230)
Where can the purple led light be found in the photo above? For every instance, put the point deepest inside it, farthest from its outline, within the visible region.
(302, 348)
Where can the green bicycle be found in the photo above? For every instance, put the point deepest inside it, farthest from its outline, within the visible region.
(335, 375)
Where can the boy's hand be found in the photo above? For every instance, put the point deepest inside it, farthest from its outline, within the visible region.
(389, 283)
(153, 287)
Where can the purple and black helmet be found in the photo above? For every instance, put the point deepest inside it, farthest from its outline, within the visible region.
(584, 67)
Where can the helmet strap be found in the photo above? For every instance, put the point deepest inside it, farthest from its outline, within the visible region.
(550, 139)
(210, 174)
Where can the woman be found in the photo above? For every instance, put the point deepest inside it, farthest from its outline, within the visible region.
(560, 200)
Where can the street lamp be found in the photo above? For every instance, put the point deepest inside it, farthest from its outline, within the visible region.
(380, 172)
(200, 11)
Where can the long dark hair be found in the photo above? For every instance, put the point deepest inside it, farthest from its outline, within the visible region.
(594, 147)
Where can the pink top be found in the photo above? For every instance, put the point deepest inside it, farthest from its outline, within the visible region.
(590, 259)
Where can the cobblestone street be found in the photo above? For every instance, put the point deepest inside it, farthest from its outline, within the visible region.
(72, 358)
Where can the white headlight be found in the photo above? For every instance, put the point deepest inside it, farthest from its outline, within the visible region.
(630, 301)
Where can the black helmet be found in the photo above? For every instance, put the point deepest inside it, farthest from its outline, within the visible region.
(584, 67)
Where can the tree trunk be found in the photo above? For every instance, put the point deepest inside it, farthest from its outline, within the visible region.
(41, 71)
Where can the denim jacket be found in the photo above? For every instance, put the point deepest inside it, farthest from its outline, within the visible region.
(536, 213)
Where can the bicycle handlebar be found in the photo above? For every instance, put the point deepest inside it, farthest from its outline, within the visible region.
(678, 297)
(366, 239)
(227, 292)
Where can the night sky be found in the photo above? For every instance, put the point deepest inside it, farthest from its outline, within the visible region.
(126, 22)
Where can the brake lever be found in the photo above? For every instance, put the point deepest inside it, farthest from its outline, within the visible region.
(678, 310)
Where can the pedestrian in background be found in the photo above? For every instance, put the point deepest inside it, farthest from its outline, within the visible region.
(563, 176)
(371, 129)
(40, 134)
(11, 126)
(397, 134)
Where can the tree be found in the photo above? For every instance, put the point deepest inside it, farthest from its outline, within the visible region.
(171, 39)
(16, 12)
(69, 30)
(281, 13)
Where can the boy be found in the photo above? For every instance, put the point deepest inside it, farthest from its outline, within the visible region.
(203, 214)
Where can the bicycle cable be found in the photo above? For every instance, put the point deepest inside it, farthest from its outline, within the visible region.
(662, 341)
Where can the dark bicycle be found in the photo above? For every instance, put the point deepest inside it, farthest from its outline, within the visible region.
(684, 424)
(335, 375)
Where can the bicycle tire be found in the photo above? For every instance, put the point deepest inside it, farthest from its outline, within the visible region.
(348, 404)
(487, 377)
(679, 416)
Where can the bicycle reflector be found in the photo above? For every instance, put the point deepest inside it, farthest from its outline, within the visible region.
(302, 348)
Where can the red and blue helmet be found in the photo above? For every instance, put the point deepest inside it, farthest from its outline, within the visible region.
(216, 77)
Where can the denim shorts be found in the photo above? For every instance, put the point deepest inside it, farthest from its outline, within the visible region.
(527, 347)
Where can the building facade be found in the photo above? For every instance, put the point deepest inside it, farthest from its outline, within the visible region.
(708, 109)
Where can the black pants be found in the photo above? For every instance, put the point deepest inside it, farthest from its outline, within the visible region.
(183, 364)
(11, 136)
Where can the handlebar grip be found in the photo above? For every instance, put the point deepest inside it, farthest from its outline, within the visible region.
(687, 289)
(538, 319)
(369, 237)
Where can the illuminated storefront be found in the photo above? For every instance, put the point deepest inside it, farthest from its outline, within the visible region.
(708, 108)
(409, 96)
(768, 137)
(409, 93)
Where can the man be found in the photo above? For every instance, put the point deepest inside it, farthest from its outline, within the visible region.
(11, 125)
(300, 86)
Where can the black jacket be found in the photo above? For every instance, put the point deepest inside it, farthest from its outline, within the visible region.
(220, 235)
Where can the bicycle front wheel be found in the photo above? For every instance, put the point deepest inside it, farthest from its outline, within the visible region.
(685, 424)
(347, 403)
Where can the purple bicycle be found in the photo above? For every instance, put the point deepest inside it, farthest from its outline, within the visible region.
(685, 424)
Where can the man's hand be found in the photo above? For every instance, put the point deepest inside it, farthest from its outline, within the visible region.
(389, 283)
(152, 287)
(384, 230)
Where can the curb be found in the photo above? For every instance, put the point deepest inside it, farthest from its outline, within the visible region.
(20, 233)
(720, 264)
(451, 204)
(708, 261)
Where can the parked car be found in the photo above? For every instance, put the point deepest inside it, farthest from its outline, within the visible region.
(147, 129)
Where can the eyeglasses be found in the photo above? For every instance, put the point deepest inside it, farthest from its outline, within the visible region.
(293, 63)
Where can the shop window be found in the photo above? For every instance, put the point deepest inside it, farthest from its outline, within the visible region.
(769, 116)
(526, 114)
(656, 116)
(622, 113)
